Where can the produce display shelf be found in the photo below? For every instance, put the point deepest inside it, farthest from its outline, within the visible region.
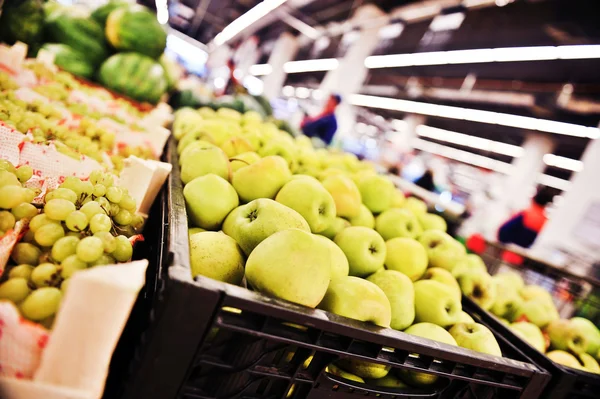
(566, 382)
(206, 339)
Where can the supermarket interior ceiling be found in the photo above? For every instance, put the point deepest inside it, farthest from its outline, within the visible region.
(566, 90)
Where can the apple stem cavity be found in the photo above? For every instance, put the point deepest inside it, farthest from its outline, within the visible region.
(477, 292)
(252, 215)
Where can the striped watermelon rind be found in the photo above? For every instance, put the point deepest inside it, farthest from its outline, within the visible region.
(136, 28)
(134, 75)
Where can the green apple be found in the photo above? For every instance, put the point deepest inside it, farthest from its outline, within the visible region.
(303, 141)
(399, 199)
(194, 230)
(185, 119)
(329, 172)
(566, 336)
(364, 248)
(429, 331)
(431, 221)
(335, 370)
(365, 218)
(415, 205)
(389, 381)
(589, 363)
(442, 250)
(196, 134)
(291, 264)
(464, 317)
(193, 150)
(357, 299)
(251, 223)
(208, 200)
(207, 113)
(335, 227)
(509, 279)
(339, 262)
(364, 369)
(280, 147)
(236, 145)
(436, 303)
(211, 160)
(255, 137)
(377, 192)
(530, 333)
(444, 277)
(242, 160)
(399, 290)
(262, 179)
(309, 198)
(407, 256)
(590, 332)
(507, 301)
(345, 194)
(476, 337)
(537, 311)
(251, 117)
(397, 223)
(217, 256)
(306, 161)
(469, 262)
(533, 291)
(478, 286)
(228, 113)
(564, 358)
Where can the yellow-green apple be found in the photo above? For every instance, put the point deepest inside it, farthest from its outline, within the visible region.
(436, 303)
(335, 227)
(507, 301)
(533, 291)
(193, 150)
(351, 161)
(324, 174)
(376, 192)
(309, 198)
(389, 381)
(250, 117)
(399, 290)
(564, 358)
(509, 279)
(444, 277)
(365, 218)
(464, 317)
(364, 248)
(228, 113)
(236, 145)
(339, 262)
(262, 179)
(345, 194)
(431, 221)
(397, 222)
(306, 161)
(194, 230)
(415, 205)
(251, 223)
(256, 138)
(590, 332)
(566, 336)
(191, 137)
(303, 141)
(429, 331)
(407, 256)
(537, 311)
(217, 256)
(207, 113)
(442, 250)
(361, 174)
(242, 160)
(208, 200)
(357, 299)
(398, 199)
(280, 147)
(291, 264)
(478, 286)
(530, 333)
(476, 337)
(589, 363)
(185, 119)
(335, 370)
(365, 369)
(210, 160)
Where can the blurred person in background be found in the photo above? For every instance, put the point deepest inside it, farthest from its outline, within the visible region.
(522, 229)
(426, 181)
(324, 125)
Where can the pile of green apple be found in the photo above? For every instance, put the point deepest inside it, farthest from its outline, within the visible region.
(322, 229)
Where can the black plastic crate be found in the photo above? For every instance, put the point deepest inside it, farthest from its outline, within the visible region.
(207, 339)
(566, 382)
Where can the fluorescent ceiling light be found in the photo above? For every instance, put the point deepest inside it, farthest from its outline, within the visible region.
(399, 125)
(260, 69)
(563, 162)
(186, 47)
(324, 64)
(469, 141)
(506, 54)
(484, 162)
(247, 19)
(474, 115)
(446, 22)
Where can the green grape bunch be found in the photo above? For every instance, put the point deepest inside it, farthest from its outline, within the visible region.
(81, 224)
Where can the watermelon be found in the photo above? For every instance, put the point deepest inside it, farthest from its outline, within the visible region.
(101, 13)
(70, 60)
(79, 32)
(134, 75)
(135, 28)
(173, 71)
(23, 21)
